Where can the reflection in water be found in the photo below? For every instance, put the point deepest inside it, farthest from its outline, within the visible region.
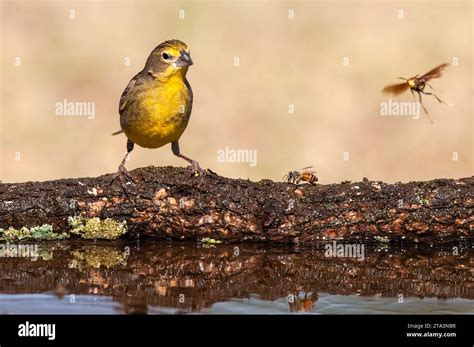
(305, 303)
(151, 277)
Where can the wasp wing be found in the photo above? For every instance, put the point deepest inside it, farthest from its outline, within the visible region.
(396, 88)
(437, 72)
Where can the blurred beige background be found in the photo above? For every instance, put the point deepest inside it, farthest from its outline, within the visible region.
(283, 62)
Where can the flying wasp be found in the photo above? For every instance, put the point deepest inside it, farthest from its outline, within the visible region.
(417, 84)
(304, 175)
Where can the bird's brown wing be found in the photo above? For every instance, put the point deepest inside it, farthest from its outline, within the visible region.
(437, 72)
(128, 95)
(134, 82)
(396, 88)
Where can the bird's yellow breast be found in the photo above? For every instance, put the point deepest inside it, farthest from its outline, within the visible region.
(163, 111)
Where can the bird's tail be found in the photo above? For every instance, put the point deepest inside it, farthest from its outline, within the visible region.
(117, 132)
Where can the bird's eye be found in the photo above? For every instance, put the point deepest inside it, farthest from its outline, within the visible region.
(165, 56)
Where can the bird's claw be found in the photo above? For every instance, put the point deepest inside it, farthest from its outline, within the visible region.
(196, 171)
(123, 175)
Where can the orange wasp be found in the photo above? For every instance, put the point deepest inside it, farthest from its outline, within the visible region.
(417, 84)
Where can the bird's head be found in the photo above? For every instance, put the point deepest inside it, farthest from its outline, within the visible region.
(170, 58)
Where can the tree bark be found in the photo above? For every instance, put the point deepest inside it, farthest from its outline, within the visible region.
(168, 202)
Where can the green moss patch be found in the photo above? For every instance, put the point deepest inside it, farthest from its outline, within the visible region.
(37, 233)
(96, 228)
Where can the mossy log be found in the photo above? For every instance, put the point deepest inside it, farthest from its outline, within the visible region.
(168, 202)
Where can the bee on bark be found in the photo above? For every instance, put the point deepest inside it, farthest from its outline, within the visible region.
(303, 175)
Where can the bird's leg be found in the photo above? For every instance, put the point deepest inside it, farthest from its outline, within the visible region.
(194, 164)
(424, 108)
(122, 174)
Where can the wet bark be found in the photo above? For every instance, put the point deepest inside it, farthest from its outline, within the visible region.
(168, 202)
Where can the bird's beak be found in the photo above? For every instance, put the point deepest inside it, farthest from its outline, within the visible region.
(184, 60)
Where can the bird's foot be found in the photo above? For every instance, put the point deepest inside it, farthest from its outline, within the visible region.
(196, 170)
(124, 178)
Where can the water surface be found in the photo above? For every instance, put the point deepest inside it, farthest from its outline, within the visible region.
(77, 277)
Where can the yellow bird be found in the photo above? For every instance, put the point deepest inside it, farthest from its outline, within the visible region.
(156, 104)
